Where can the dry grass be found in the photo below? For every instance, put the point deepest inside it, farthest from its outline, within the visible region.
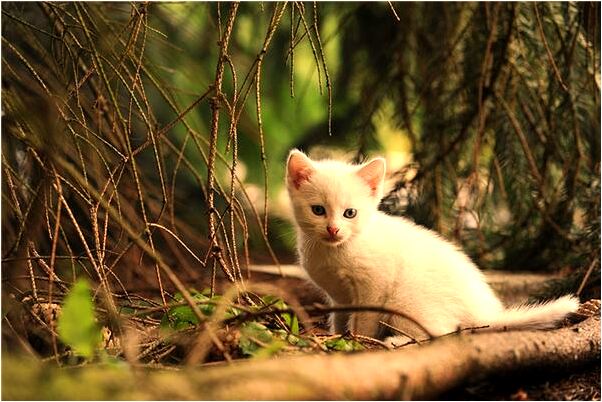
(93, 169)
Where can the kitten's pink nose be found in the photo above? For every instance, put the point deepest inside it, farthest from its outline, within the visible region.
(332, 230)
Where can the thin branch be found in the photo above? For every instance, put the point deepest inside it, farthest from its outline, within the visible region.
(394, 12)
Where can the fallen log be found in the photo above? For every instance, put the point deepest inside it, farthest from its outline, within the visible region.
(418, 372)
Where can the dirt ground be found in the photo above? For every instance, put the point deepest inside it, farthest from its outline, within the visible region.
(580, 386)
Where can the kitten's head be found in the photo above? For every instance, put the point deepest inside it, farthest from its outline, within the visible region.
(333, 200)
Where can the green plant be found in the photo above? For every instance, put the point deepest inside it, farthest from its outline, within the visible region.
(77, 325)
(343, 344)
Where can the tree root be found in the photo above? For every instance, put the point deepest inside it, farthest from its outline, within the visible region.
(420, 372)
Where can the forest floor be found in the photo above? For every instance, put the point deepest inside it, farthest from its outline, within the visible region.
(513, 288)
(583, 385)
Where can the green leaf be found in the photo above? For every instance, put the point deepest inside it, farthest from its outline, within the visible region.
(180, 317)
(343, 345)
(292, 339)
(295, 325)
(249, 332)
(269, 344)
(274, 301)
(270, 349)
(291, 320)
(299, 342)
(77, 324)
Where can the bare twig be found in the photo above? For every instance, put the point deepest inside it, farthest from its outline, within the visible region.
(215, 105)
(548, 51)
(393, 11)
(586, 276)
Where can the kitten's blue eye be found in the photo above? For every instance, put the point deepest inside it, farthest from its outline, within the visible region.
(350, 213)
(318, 210)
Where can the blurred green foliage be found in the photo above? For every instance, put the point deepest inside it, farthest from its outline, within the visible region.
(77, 326)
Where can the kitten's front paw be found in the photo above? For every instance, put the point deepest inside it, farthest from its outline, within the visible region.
(399, 341)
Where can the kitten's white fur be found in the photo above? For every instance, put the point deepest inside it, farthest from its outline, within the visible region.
(389, 261)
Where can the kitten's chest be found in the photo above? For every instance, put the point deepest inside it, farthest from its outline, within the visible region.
(341, 273)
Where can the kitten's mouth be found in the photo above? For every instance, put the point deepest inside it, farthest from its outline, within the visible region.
(333, 240)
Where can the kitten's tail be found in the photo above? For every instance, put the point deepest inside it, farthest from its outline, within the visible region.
(536, 316)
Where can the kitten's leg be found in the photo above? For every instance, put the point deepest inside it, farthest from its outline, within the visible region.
(338, 322)
(407, 333)
(366, 324)
(399, 341)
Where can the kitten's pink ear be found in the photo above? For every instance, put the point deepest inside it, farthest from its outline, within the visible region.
(373, 174)
(299, 168)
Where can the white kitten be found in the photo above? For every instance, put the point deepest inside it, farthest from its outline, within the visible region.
(359, 255)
